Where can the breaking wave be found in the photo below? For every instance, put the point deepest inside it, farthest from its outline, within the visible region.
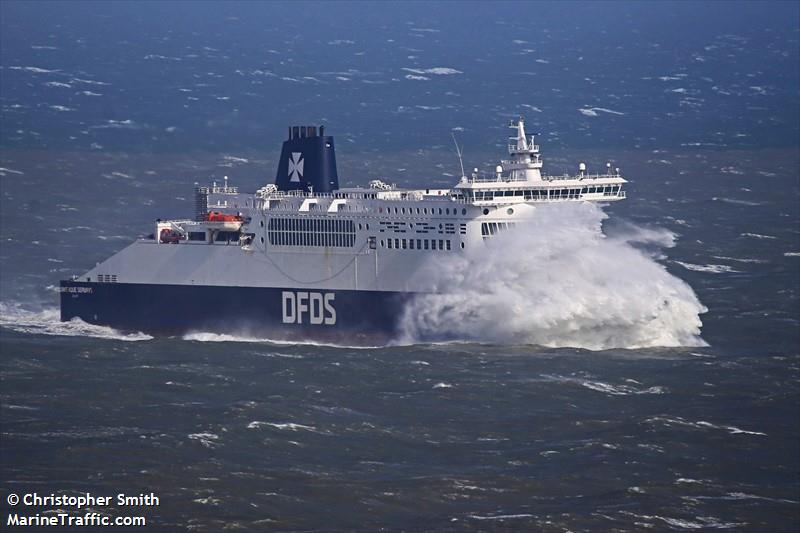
(558, 281)
(48, 322)
(207, 336)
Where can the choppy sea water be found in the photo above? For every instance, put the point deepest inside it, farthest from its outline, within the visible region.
(557, 411)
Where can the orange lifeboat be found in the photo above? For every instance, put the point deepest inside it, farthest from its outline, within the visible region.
(217, 216)
(168, 236)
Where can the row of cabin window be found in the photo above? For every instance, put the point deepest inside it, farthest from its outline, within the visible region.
(424, 210)
(536, 194)
(312, 224)
(291, 238)
(490, 228)
(421, 244)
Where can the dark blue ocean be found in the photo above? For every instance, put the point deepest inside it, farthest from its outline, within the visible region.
(642, 376)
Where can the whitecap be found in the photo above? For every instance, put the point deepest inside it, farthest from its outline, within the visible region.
(48, 322)
(438, 71)
(34, 70)
(758, 236)
(606, 388)
(207, 439)
(501, 516)
(733, 200)
(713, 269)
(701, 424)
(289, 426)
(4, 171)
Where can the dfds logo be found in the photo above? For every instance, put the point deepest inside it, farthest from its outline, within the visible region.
(315, 307)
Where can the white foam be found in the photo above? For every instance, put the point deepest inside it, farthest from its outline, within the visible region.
(4, 171)
(734, 201)
(557, 281)
(758, 236)
(701, 424)
(438, 71)
(290, 426)
(501, 516)
(740, 259)
(48, 322)
(606, 388)
(592, 111)
(34, 70)
(206, 336)
(713, 269)
(207, 439)
(88, 82)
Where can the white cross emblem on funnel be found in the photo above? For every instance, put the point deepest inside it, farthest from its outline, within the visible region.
(296, 166)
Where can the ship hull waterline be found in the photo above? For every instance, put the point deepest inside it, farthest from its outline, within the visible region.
(284, 314)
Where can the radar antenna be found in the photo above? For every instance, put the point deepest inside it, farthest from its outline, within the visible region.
(460, 153)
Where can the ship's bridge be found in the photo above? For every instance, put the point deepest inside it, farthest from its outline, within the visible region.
(520, 179)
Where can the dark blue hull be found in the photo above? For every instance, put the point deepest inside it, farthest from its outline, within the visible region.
(351, 317)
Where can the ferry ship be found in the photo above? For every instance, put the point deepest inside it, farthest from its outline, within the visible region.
(303, 259)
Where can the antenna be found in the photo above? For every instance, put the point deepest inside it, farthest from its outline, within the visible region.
(458, 151)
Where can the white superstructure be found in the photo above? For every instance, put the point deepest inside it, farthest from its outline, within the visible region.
(363, 239)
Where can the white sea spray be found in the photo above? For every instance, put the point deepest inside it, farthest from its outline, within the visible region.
(558, 280)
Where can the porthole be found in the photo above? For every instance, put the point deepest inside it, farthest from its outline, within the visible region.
(382, 243)
(510, 211)
(447, 211)
(367, 225)
(262, 240)
(418, 210)
(425, 211)
(486, 211)
(262, 223)
(440, 210)
(462, 245)
(359, 226)
(464, 212)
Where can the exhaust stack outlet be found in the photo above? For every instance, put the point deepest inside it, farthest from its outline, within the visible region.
(308, 161)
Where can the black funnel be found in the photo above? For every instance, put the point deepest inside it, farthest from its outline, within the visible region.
(307, 160)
